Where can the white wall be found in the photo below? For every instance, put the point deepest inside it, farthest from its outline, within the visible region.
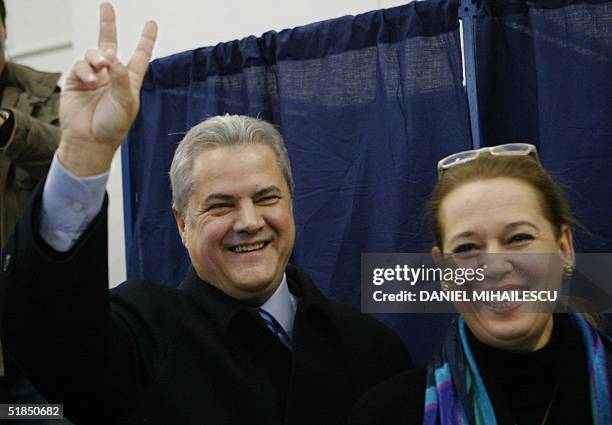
(187, 24)
(39, 33)
(51, 34)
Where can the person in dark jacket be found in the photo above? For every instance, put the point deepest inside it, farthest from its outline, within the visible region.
(29, 136)
(29, 132)
(503, 362)
(245, 338)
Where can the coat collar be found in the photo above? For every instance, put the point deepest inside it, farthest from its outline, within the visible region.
(223, 311)
(36, 83)
(310, 299)
(220, 308)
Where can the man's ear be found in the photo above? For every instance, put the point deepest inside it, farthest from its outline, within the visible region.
(180, 223)
(4, 34)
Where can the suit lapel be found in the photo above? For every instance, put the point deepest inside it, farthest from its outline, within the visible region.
(320, 371)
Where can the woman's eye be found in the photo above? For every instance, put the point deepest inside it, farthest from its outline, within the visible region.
(521, 237)
(465, 248)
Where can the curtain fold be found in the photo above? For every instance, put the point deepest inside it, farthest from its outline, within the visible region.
(367, 104)
(545, 77)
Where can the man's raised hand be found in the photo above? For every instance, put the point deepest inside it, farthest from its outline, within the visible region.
(101, 99)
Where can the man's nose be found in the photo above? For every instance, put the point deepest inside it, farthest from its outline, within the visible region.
(249, 219)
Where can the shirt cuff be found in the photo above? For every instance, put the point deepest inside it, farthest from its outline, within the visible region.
(69, 204)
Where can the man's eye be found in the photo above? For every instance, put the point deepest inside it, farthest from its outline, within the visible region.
(217, 207)
(520, 237)
(267, 200)
(465, 248)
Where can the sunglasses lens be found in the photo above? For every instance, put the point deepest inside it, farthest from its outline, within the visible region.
(458, 158)
(512, 149)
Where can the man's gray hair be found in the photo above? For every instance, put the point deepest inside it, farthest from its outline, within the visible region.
(219, 131)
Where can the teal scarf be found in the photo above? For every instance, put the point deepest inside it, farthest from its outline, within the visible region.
(456, 394)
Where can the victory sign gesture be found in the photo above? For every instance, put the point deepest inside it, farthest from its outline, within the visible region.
(101, 99)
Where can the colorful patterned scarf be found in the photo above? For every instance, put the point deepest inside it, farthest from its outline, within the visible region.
(456, 393)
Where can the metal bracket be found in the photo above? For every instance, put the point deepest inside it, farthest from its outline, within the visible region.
(468, 10)
(129, 201)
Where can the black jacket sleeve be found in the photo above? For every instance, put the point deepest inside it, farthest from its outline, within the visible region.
(56, 317)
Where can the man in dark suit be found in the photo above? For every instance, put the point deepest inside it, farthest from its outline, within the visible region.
(246, 338)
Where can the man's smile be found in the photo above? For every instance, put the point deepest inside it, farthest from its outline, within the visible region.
(255, 246)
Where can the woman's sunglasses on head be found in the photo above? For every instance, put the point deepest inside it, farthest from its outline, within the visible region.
(509, 149)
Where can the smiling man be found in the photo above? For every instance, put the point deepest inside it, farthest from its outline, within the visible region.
(232, 188)
(245, 338)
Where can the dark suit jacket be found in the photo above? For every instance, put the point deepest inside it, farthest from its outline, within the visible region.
(144, 353)
(399, 400)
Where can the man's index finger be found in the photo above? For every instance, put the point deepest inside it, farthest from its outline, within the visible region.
(107, 39)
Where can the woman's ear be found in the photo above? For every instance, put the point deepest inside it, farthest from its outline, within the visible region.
(437, 255)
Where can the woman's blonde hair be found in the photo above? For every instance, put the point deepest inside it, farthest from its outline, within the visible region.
(554, 204)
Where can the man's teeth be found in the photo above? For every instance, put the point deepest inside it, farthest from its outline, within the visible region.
(247, 248)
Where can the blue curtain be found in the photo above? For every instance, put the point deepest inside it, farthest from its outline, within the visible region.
(367, 105)
(545, 76)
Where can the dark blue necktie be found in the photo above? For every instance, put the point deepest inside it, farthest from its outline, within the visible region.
(275, 327)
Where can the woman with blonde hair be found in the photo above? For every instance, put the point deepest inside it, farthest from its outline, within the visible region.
(503, 362)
